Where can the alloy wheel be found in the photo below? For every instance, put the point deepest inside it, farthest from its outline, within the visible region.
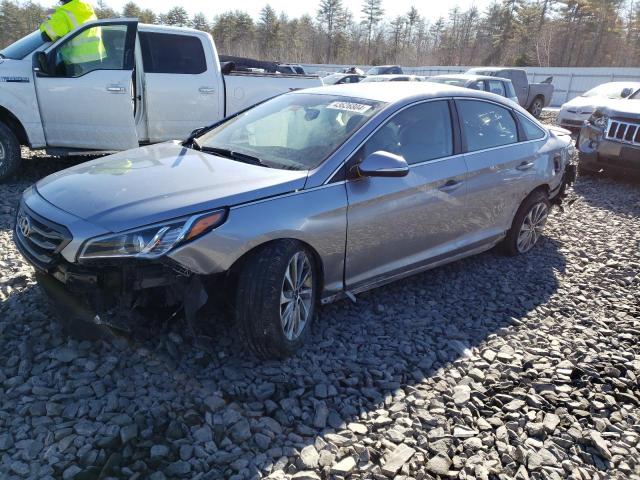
(532, 227)
(296, 297)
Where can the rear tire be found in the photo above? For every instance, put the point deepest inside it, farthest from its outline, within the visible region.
(536, 107)
(9, 152)
(528, 224)
(275, 299)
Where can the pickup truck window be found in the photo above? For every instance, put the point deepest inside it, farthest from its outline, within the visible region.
(23, 47)
(294, 131)
(173, 54)
(486, 125)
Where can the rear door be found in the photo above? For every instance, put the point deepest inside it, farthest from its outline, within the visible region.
(398, 224)
(501, 167)
(183, 84)
(89, 104)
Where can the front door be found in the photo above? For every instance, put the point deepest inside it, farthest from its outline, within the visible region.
(397, 224)
(86, 101)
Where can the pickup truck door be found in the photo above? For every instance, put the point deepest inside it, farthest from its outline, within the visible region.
(183, 83)
(88, 103)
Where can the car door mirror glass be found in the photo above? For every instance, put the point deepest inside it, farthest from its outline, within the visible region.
(383, 164)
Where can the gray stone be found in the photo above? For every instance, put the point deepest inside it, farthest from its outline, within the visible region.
(71, 472)
(177, 469)
(240, 431)
(309, 457)
(461, 394)
(128, 433)
(440, 464)
(344, 466)
(401, 455)
(159, 451)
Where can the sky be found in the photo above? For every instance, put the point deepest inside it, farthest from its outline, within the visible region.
(430, 9)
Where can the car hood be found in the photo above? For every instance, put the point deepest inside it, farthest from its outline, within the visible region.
(583, 104)
(152, 184)
(621, 108)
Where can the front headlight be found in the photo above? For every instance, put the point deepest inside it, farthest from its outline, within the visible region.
(152, 241)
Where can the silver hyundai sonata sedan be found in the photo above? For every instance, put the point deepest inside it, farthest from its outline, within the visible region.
(307, 198)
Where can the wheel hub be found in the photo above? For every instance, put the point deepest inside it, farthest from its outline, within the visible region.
(296, 298)
(532, 227)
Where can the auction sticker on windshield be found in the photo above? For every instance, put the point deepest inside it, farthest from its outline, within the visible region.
(349, 106)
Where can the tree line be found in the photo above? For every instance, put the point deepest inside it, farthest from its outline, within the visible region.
(571, 33)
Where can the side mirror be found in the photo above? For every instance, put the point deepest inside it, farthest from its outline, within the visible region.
(626, 92)
(41, 64)
(383, 164)
(227, 67)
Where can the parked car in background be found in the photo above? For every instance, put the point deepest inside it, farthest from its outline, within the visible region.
(573, 114)
(304, 199)
(290, 69)
(499, 86)
(532, 96)
(610, 139)
(385, 70)
(340, 78)
(155, 83)
(392, 78)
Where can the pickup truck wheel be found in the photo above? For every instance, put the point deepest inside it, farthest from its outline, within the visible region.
(528, 224)
(276, 296)
(9, 152)
(536, 107)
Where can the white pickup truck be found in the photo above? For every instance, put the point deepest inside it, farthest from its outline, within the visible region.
(156, 83)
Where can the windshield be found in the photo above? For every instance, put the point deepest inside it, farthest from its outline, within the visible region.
(377, 70)
(295, 131)
(23, 47)
(332, 79)
(610, 90)
(457, 82)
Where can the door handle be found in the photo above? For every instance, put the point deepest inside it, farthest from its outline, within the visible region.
(525, 166)
(207, 90)
(450, 186)
(116, 89)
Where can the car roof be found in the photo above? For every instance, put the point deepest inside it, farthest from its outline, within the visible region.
(470, 76)
(399, 92)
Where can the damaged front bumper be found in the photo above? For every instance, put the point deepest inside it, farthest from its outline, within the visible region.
(114, 295)
(596, 152)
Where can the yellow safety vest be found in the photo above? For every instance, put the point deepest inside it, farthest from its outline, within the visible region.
(86, 47)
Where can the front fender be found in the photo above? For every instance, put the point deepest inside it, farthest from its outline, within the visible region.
(18, 99)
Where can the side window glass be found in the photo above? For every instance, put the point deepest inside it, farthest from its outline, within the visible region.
(96, 48)
(497, 87)
(418, 134)
(486, 125)
(172, 54)
(531, 130)
(479, 85)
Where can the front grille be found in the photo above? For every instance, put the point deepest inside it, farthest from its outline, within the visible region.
(41, 240)
(625, 132)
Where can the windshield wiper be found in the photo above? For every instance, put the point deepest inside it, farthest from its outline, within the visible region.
(225, 152)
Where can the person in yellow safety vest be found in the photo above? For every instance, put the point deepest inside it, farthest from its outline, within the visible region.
(86, 47)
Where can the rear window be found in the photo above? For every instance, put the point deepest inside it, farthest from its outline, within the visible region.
(176, 54)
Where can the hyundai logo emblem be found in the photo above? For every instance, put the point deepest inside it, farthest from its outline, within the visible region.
(24, 224)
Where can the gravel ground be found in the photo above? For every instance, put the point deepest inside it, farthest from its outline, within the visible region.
(491, 367)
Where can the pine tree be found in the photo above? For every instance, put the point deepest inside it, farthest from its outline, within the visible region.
(372, 13)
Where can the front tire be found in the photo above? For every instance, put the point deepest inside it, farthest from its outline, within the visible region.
(536, 107)
(275, 299)
(9, 152)
(528, 224)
